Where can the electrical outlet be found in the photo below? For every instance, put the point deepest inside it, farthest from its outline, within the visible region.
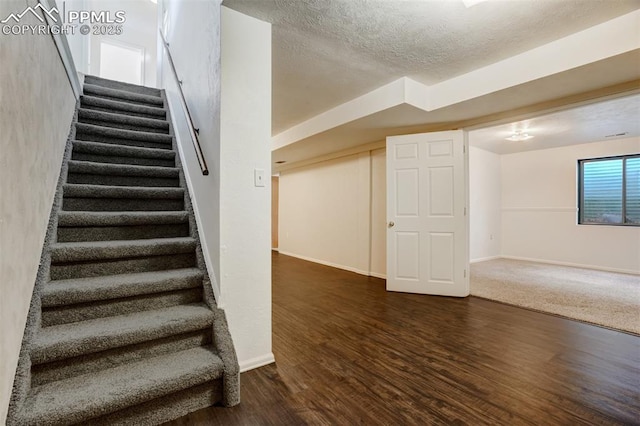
(258, 177)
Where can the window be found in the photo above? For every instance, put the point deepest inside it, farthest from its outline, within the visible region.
(609, 191)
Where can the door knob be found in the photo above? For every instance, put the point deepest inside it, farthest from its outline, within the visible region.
(391, 224)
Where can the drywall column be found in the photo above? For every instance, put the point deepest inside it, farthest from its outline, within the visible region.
(485, 204)
(245, 204)
(233, 214)
(35, 113)
(378, 266)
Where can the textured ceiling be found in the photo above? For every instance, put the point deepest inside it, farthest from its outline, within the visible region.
(326, 52)
(606, 120)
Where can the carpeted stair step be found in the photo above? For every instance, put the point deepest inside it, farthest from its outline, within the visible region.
(110, 135)
(122, 95)
(121, 107)
(83, 398)
(84, 251)
(120, 154)
(64, 292)
(126, 298)
(68, 301)
(71, 367)
(101, 226)
(120, 85)
(89, 172)
(122, 121)
(97, 258)
(82, 197)
(97, 335)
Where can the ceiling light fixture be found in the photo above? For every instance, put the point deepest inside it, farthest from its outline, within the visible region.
(519, 136)
(469, 3)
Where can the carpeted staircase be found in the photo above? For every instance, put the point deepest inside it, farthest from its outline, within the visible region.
(123, 326)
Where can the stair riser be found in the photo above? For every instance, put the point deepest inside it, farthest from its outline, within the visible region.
(149, 181)
(90, 137)
(136, 102)
(106, 308)
(113, 133)
(122, 266)
(122, 86)
(136, 161)
(167, 408)
(164, 130)
(132, 110)
(121, 204)
(70, 367)
(111, 233)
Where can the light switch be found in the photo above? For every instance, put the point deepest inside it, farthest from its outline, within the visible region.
(258, 175)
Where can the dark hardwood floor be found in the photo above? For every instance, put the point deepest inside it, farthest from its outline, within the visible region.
(348, 352)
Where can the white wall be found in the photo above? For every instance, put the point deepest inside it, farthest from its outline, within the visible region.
(334, 212)
(78, 43)
(35, 115)
(245, 209)
(539, 219)
(139, 30)
(198, 20)
(485, 204)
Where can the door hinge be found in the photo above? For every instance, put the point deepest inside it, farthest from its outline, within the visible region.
(464, 149)
(465, 211)
(465, 273)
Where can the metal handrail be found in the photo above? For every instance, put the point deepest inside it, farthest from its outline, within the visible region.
(195, 139)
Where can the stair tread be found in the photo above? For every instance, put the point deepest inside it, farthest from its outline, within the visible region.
(106, 82)
(94, 101)
(90, 218)
(93, 89)
(122, 150)
(91, 167)
(124, 134)
(112, 249)
(115, 117)
(96, 335)
(80, 290)
(84, 397)
(109, 191)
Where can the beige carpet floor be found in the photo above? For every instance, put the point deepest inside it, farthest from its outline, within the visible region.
(604, 298)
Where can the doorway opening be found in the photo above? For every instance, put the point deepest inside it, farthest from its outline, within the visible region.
(122, 62)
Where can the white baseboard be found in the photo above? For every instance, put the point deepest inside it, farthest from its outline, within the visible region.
(256, 362)
(377, 275)
(324, 262)
(574, 265)
(484, 259)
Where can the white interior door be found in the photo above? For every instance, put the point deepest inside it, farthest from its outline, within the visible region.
(427, 222)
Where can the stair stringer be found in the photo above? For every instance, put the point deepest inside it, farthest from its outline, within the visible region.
(22, 379)
(221, 337)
